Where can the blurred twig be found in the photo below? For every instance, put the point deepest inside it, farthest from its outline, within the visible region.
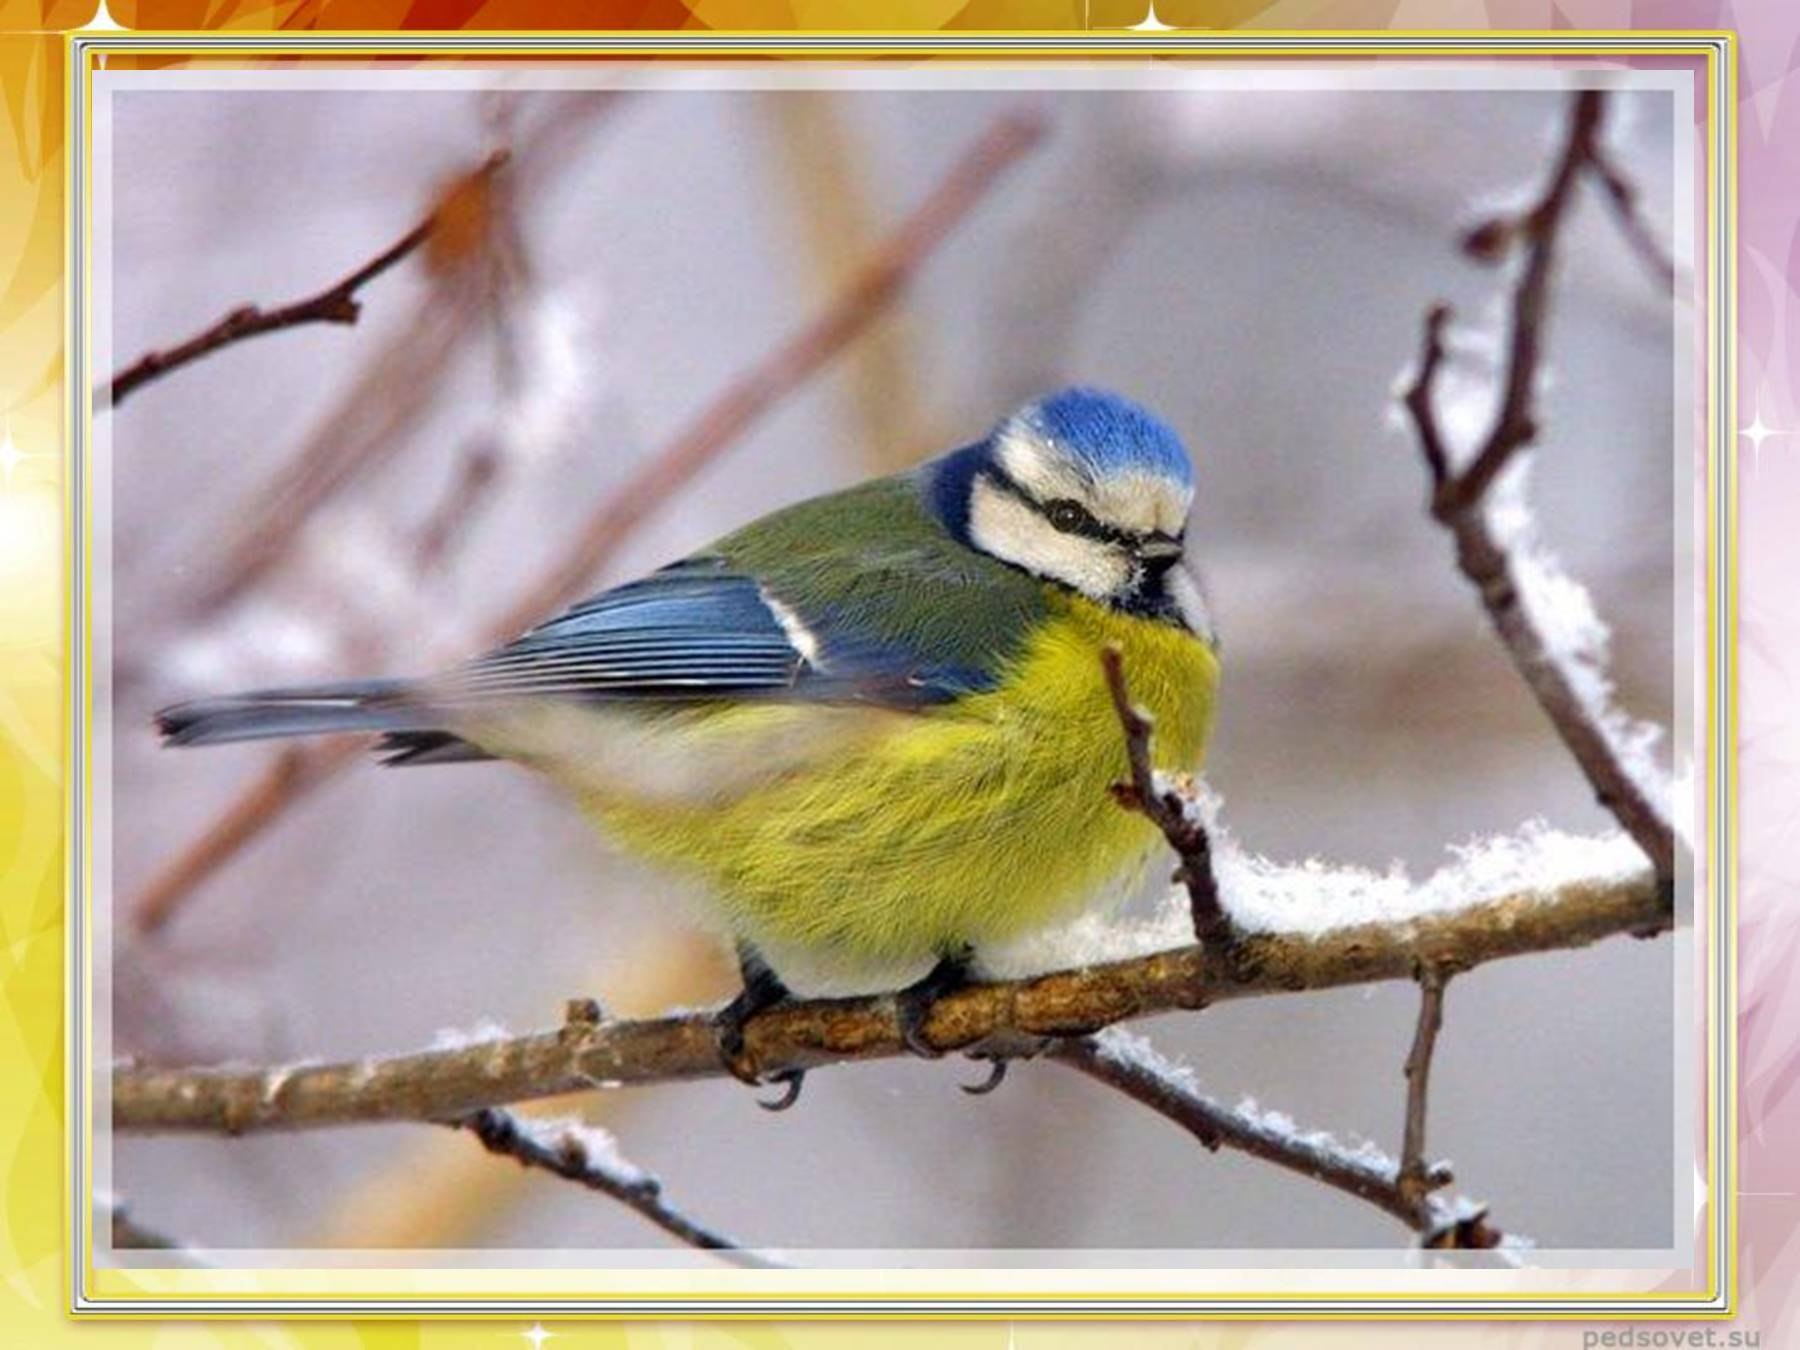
(337, 303)
(1622, 196)
(1014, 1017)
(476, 472)
(727, 417)
(1133, 1068)
(1459, 496)
(742, 403)
(575, 1152)
(834, 215)
(290, 774)
(473, 275)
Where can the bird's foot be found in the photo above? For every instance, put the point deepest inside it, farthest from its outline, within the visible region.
(912, 1005)
(762, 990)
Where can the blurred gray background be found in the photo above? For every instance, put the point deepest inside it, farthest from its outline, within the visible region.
(1252, 264)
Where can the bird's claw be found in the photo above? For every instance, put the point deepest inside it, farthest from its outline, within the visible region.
(728, 1033)
(912, 1005)
(996, 1075)
(911, 1009)
(728, 1036)
(790, 1082)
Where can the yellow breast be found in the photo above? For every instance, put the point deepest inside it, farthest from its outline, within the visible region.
(874, 838)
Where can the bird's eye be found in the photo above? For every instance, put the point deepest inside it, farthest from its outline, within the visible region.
(1068, 516)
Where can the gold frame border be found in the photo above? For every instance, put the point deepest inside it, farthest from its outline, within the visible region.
(1719, 148)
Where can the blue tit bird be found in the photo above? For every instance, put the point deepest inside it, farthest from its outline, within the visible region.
(874, 727)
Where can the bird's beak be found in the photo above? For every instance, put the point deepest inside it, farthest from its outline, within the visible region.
(1160, 548)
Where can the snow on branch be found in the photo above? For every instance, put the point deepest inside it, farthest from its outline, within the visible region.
(589, 1156)
(1130, 1064)
(1011, 1017)
(1542, 616)
(1265, 928)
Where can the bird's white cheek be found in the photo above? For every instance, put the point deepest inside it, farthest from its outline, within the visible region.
(1190, 600)
(1007, 528)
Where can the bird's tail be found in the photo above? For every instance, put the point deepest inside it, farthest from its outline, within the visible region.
(312, 710)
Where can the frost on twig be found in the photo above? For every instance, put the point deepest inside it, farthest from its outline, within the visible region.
(1541, 615)
(1131, 1065)
(589, 1156)
(1314, 898)
(1004, 1017)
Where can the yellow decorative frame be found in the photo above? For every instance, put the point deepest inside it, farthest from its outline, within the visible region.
(334, 1293)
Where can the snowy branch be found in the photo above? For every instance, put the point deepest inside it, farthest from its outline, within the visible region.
(587, 1156)
(1014, 1017)
(1263, 928)
(1131, 1065)
(1542, 616)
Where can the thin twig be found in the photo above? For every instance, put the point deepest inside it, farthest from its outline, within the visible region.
(1131, 1067)
(1459, 498)
(337, 303)
(1008, 1018)
(1515, 424)
(726, 418)
(1169, 806)
(1414, 1177)
(569, 1151)
(368, 424)
(1622, 196)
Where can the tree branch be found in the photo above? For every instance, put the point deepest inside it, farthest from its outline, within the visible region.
(1014, 1017)
(1622, 196)
(1459, 498)
(295, 772)
(337, 303)
(584, 1155)
(1413, 1178)
(1131, 1066)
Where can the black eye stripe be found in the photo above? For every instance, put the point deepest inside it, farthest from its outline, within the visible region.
(1084, 524)
(1071, 517)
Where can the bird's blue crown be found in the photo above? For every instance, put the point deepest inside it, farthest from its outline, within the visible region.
(1104, 434)
(1096, 433)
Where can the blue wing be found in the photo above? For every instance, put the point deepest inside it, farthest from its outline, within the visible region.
(700, 629)
(694, 629)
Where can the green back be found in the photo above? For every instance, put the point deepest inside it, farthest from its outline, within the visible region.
(873, 569)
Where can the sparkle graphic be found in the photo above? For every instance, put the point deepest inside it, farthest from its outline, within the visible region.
(1151, 22)
(537, 1335)
(1756, 433)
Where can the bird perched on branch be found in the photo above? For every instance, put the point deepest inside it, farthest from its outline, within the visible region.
(874, 726)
